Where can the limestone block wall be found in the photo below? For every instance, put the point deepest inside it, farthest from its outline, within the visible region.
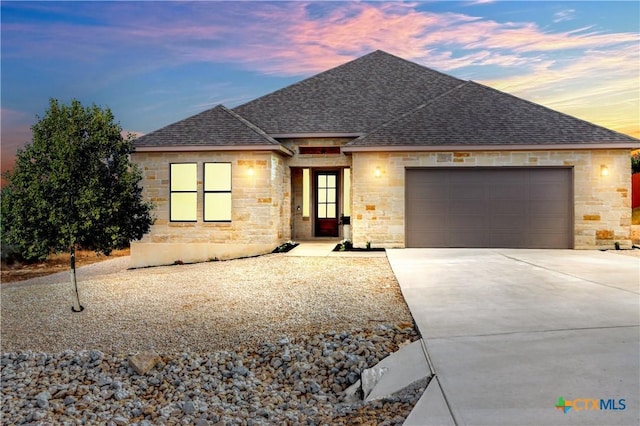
(602, 203)
(260, 209)
(302, 226)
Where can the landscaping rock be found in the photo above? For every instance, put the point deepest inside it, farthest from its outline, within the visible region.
(143, 362)
(194, 387)
(42, 399)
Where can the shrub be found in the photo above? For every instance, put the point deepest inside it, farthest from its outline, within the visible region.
(635, 163)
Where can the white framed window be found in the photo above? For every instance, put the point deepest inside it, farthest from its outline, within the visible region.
(183, 187)
(217, 192)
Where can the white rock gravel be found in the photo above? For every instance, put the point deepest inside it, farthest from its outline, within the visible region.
(203, 307)
(247, 341)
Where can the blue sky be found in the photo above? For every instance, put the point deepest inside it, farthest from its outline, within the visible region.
(154, 63)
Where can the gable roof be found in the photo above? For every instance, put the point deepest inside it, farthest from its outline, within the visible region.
(472, 114)
(218, 126)
(353, 98)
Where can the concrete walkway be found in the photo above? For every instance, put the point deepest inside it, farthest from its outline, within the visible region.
(508, 332)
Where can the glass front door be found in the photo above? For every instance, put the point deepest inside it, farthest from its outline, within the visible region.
(326, 191)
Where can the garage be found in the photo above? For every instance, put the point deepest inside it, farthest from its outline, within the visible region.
(492, 207)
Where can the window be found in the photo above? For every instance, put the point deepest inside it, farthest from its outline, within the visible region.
(184, 192)
(327, 200)
(306, 184)
(346, 193)
(217, 192)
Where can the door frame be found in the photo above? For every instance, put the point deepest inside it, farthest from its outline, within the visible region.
(316, 172)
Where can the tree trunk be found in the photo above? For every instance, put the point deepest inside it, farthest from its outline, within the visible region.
(77, 307)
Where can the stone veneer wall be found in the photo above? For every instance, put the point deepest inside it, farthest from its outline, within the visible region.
(602, 203)
(261, 209)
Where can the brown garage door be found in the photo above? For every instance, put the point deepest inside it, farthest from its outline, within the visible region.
(489, 207)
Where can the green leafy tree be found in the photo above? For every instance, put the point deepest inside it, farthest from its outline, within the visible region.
(74, 186)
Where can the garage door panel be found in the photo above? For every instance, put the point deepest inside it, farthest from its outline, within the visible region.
(429, 220)
(439, 239)
(547, 208)
(505, 222)
(471, 191)
(506, 192)
(467, 223)
(548, 225)
(466, 206)
(550, 176)
(544, 240)
(551, 192)
(502, 240)
(431, 191)
(466, 239)
(516, 206)
(429, 207)
(489, 207)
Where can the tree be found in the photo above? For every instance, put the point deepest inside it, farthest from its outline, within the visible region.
(74, 186)
(635, 163)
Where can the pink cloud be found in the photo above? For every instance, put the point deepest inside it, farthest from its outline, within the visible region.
(294, 43)
(288, 38)
(600, 87)
(16, 133)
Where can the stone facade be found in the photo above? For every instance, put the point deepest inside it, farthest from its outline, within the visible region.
(602, 209)
(261, 206)
(265, 203)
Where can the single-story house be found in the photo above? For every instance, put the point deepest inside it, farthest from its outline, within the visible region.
(413, 157)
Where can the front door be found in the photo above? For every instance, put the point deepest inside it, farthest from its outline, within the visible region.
(326, 191)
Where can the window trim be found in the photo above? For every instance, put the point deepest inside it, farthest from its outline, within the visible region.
(205, 192)
(171, 192)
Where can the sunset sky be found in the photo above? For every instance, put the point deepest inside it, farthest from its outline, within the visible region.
(154, 63)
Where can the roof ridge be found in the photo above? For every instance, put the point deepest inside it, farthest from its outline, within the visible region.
(248, 124)
(418, 65)
(410, 112)
(311, 77)
(536, 105)
(338, 67)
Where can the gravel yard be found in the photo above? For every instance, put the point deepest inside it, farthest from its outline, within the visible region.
(202, 307)
(261, 341)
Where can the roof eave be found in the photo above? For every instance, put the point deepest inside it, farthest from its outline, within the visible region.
(310, 135)
(206, 148)
(504, 147)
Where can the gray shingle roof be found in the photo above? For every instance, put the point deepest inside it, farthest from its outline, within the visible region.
(218, 126)
(473, 114)
(355, 97)
(391, 102)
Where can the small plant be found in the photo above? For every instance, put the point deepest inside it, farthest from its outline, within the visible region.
(369, 245)
(283, 248)
(346, 245)
(617, 245)
(178, 262)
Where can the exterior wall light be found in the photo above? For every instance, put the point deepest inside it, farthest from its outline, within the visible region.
(378, 172)
(250, 171)
(604, 170)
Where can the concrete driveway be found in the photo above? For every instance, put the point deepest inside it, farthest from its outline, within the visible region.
(509, 332)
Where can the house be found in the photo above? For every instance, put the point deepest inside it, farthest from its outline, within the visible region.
(414, 157)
